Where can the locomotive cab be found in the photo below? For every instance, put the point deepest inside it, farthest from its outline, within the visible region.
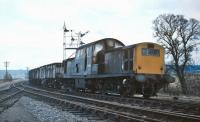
(149, 59)
(149, 67)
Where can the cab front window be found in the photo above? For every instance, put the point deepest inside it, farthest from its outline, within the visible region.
(150, 52)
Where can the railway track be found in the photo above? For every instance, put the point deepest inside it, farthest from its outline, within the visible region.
(9, 97)
(192, 108)
(113, 110)
(171, 105)
(82, 105)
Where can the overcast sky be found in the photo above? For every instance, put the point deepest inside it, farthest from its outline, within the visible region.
(31, 30)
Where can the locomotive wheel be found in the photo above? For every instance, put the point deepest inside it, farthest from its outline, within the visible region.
(127, 89)
(130, 90)
(122, 91)
(126, 92)
(148, 91)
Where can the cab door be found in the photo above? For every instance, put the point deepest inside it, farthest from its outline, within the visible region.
(127, 65)
(88, 60)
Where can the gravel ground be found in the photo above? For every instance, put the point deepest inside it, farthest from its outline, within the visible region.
(17, 113)
(194, 99)
(30, 110)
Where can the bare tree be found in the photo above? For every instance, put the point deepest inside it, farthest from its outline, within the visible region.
(179, 36)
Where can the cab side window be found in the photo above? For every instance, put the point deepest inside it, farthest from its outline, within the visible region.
(96, 48)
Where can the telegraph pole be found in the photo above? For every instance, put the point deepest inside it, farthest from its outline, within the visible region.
(27, 75)
(6, 64)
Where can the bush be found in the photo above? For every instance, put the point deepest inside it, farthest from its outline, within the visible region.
(193, 86)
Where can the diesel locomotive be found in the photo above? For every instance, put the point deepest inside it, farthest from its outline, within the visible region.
(108, 66)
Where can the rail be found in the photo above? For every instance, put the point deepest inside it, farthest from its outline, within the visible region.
(126, 111)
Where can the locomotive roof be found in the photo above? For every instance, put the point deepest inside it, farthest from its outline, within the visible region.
(134, 45)
(68, 59)
(147, 43)
(105, 39)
